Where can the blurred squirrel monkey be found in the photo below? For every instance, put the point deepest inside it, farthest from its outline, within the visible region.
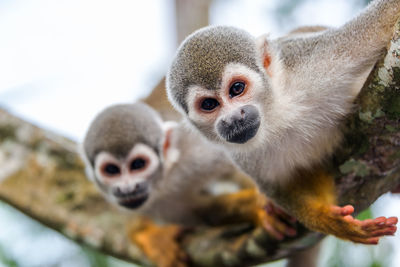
(164, 171)
(276, 106)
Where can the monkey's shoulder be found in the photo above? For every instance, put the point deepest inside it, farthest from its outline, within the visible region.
(295, 49)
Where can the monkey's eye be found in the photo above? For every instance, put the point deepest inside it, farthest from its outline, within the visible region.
(138, 164)
(236, 89)
(111, 169)
(209, 104)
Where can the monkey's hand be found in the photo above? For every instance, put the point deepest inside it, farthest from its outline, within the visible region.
(368, 231)
(335, 220)
(159, 243)
(276, 221)
(311, 198)
(248, 205)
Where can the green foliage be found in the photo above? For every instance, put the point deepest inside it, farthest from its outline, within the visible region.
(95, 258)
(376, 264)
(6, 259)
(366, 214)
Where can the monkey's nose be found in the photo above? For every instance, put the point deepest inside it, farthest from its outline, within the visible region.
(241, 125)
(140, 187)
(235, 119)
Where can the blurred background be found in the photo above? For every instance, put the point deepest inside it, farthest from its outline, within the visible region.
(61, 62)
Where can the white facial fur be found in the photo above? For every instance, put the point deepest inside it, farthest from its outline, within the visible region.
(254, 90)
(127, 179)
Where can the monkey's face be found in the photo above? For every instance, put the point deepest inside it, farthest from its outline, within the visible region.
(232, 114)
(219, 82)
(128, 181)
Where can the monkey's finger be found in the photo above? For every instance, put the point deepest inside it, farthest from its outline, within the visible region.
(282, 227)
(342, 211)
(350, 219)
(366, 241)
(390, 230)
(272, 231)
(392, 221)
(275, 211)
(378, 223)
(372, 224)
(288, 219)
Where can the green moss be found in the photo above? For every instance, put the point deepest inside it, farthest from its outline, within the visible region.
(7, 132)
(65, 196)
(366, 116)
(369, 117)
(356, 143)
(390, 128)
(354, 166)
(393, 106)
(65, 159)
(396, 73)
(395, 155)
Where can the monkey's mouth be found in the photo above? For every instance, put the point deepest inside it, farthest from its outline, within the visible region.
(133, 198)
(240, 134)
(241, 137)
(133, 202)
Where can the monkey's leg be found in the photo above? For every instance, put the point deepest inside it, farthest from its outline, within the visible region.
(159, 243)
(313, 204)
(248, 205)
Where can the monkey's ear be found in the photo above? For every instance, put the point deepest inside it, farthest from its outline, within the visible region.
(264, 51)
(169, 151)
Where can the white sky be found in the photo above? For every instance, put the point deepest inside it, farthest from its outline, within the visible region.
(61, 62)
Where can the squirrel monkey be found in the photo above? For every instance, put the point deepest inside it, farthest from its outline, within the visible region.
(277, 105)
(164, 171)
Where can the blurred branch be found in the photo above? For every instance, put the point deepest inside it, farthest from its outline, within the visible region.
(159, 101)
(41, 175)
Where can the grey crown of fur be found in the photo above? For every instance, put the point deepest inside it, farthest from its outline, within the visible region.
(211, 48)
(118, 128)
